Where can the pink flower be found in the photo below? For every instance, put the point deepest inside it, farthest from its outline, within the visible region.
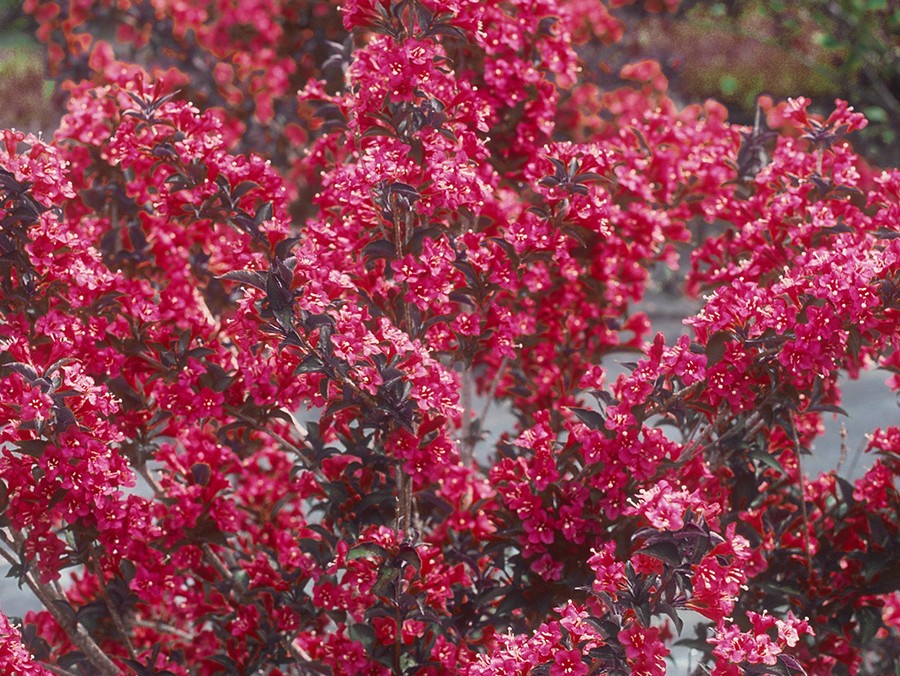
(665, 507)
(758, 646)
(568, 663)
(646, 653)
(609, 573)
(14, 658)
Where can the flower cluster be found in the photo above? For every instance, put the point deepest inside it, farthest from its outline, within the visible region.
(735, 648)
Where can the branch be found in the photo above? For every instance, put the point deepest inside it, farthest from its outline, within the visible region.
(58, 670)
(796, 444)
(219, 566)
(467, 446)
(113, 611)
(77, 634)
(163, 628)
(226, 574)
(492, 390)
(300, 453)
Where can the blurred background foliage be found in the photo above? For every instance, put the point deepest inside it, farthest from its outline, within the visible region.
(25, 93)
(737, 50)
(730, 50)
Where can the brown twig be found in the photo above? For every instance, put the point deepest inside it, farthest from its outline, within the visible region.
(403, 232)
(242, 593)
(844, 450)
(117, 621)
(467, 446)
(163, 628)
(77, 634)
(802, 481)
(492, 390)
(296, 450)
(58, 670)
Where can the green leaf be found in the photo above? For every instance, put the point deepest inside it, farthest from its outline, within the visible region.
(592, 419)
(728, 84)
(791, 663)
(65, 608)
(366, 550)
(846, 489)
(410, 557)
(200, 472)
(380, 248)
(227, 662)
(875, 114)
(310, 364)
(249, 277)
(91, 614)
(830, 41)
(767, 459)
(33, 447)
(664, 551)
(264, 213)
(242, 189)
(715, 347)
(362, 633)
(829, 408)
(386, 576)
(781, 589)
(673, 614)
(870, 621)
(854, 342)
(127, 570)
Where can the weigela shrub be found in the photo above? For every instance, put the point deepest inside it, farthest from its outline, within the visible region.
(251, 290)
